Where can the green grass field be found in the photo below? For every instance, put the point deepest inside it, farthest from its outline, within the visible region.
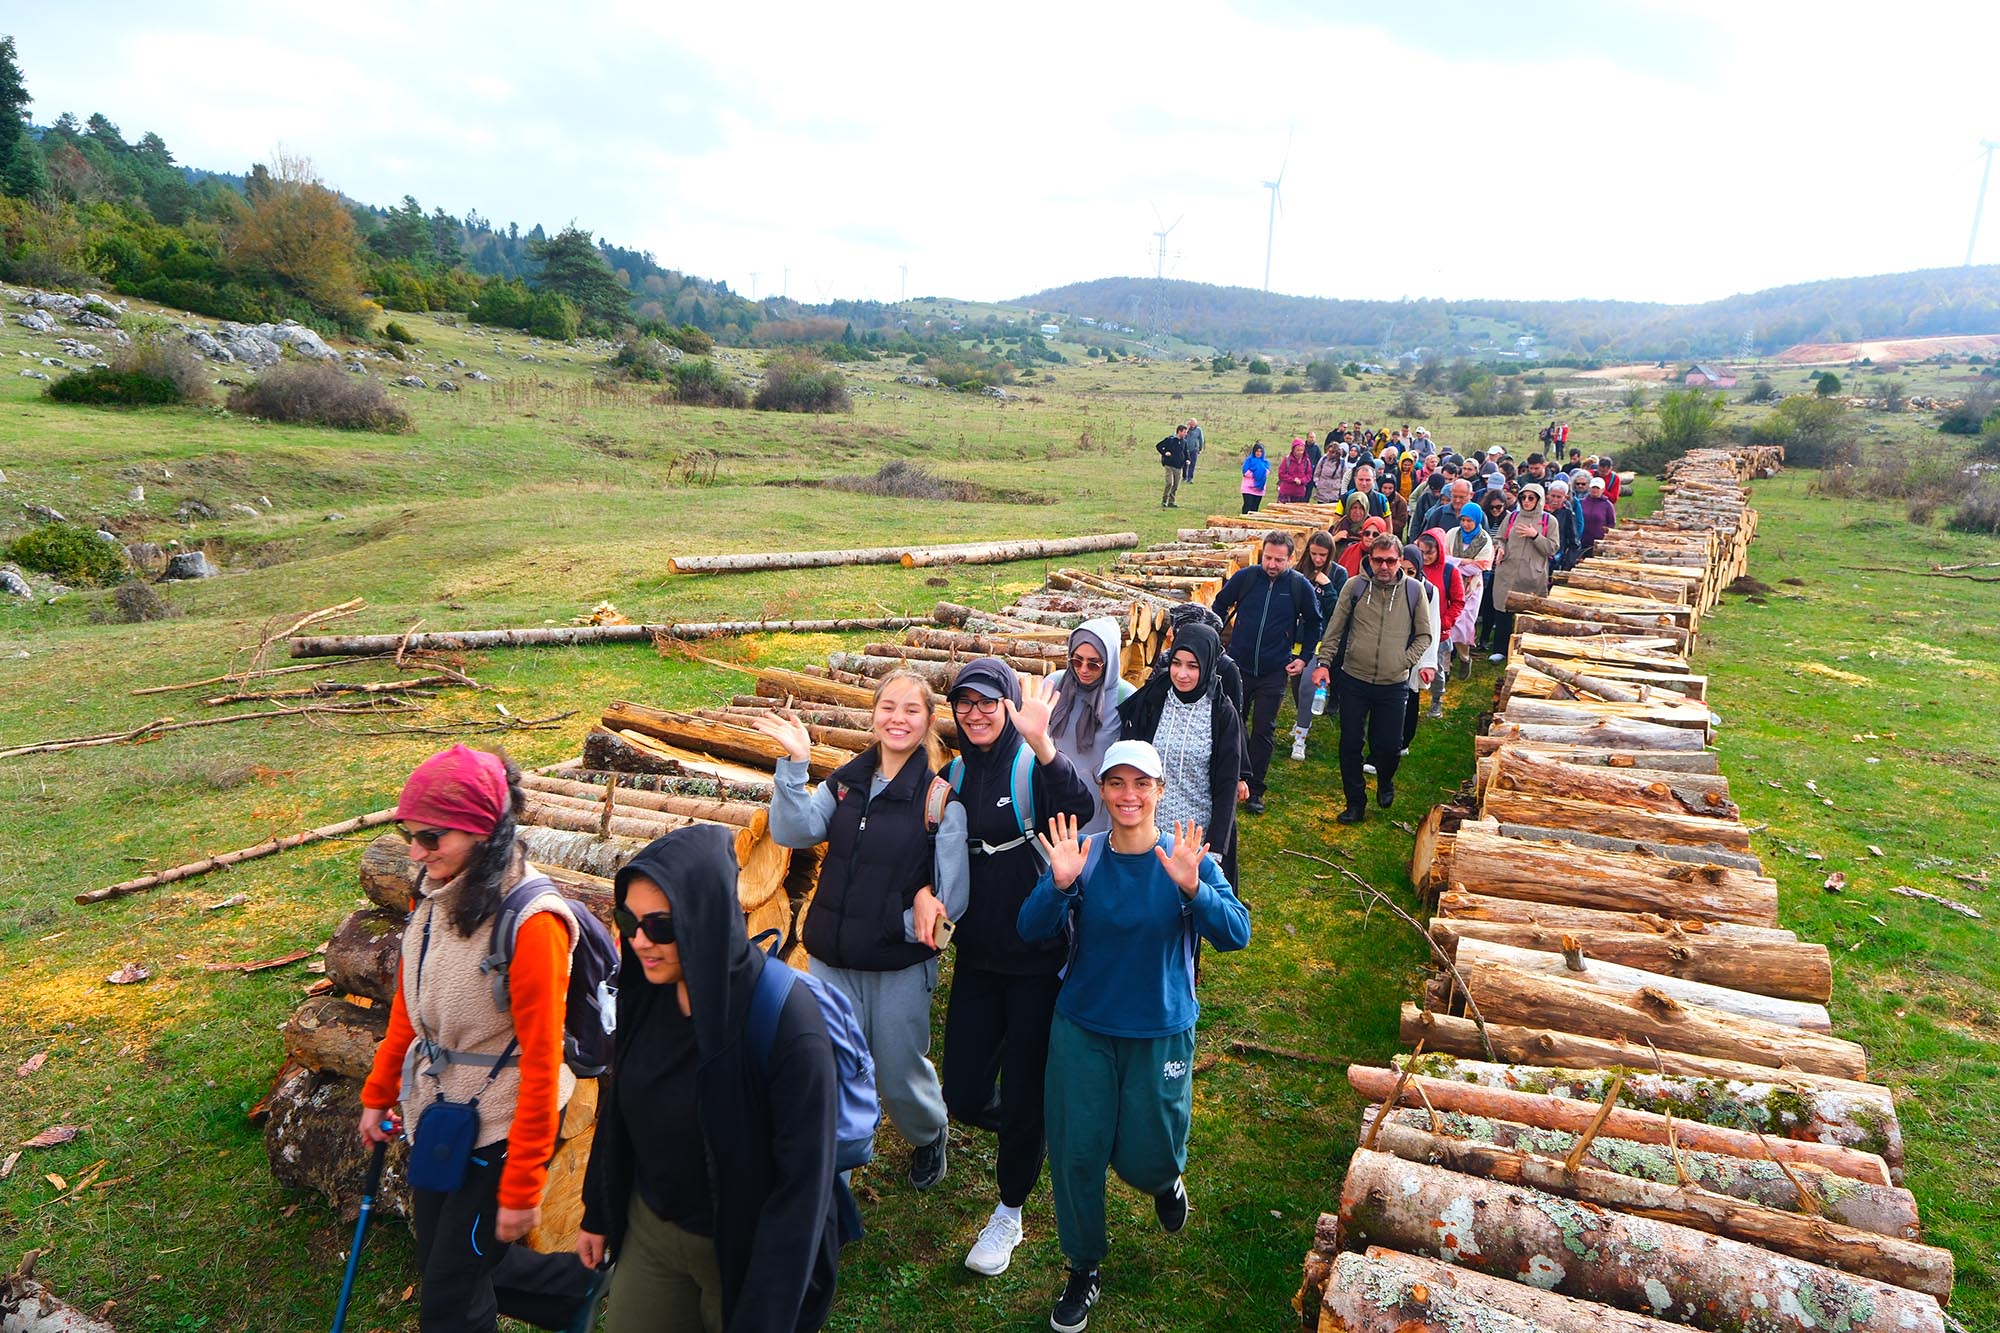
(526, 501)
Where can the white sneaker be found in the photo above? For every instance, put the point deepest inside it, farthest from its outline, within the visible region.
(1298, 748)
(1369, 769)
(1497, 657)
(994, 1249)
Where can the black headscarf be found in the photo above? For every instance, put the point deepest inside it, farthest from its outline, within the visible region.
(696, 869)
(997, 761)
(1200, 640)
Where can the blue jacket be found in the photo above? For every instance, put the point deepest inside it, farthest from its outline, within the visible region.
(1271, 616)
(1131, 971)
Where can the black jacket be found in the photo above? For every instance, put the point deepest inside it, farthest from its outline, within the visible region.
(1173, 451)
(769, 1137)
(879, 854)
(1271, 616)
(1229, 756)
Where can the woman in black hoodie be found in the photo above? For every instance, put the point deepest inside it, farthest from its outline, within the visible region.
(711, 1179)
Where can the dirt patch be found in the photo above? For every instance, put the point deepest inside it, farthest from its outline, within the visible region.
(1889, 349)
(909, 481)
(1746, 585)
(1642, 372)
(1962, 761)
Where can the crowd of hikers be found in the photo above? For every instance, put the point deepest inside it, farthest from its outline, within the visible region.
(1077, 851)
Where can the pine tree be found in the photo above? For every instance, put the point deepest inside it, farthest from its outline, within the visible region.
(21, 171)
(573, 267)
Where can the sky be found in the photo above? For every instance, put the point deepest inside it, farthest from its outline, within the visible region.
(1629, 149)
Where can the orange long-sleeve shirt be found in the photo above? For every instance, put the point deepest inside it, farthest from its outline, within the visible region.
(538, 984)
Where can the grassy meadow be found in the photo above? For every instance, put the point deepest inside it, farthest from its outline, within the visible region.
(526, 501)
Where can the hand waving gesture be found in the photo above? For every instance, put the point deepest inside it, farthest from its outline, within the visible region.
(1031, 717)
(1184, 866)
(783, 726)
(1065, 854)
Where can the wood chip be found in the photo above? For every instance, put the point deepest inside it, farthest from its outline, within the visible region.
(53, 1135)
(233, 900)
(1835, 882)
(31, 1064)
(1905, 891)
(128, 975)
(7, 1167)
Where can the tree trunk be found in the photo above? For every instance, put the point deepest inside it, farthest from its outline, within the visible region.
(593, 893)
(311, 1144)
(1640, 825)
(840, 738)
(1699, 762)
(738, 744)
(1577, 680)
(1475, 954)
(1666, 851)
(1634, 1264)
(569, 850)
(329, 1034)
(1508, 995)
(838, 625)
(1789, 971)
(1585, 712)
(1886, 1210)
(1658, 623)
(1608, 733)
(985, 645)
(1900, 1263)
(1461, 906)
(1387, 1291)
(364, 952)
(388, 877)
(218, 861)
(1674, 686)
(341, 645)
(740, 813)
(1034, 666)
(553, 812)
(1552, 872)
(1006, 552)
(325, 688)
(1097, 585)
(1636, 652)
(1542, 773)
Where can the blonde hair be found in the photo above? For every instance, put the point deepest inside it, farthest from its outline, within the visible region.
(933, 747)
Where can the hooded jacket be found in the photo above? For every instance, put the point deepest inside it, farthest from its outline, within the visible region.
(768, 1138)
(1173, 451)
(1526, 543)
(1085, 721)
(1384, 644)
(1229, 756)
(1272, 615)
(1256, 471)
(1294, 474)
(1001, 880)
(1445, 579)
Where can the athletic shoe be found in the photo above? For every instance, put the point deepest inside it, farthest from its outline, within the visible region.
(1404, 753)
(994, 1249)
(1497, 657)
(1254, 806)
(1172, 1207)
(1437, 708)
(1353, 814)
(927, 1163)
(1385, 793)
(1465, 667)
(1298, 748)
(1080, 1292)
(1369, 769)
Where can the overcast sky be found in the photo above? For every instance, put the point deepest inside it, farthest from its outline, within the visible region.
(1460, 148)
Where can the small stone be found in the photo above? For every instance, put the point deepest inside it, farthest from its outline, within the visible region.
(190, 565)
(137, 495)
(33, 375)
(411, 381)
(334, 517)
(445, 386)
(250, 510)
(43, 512)
(13, 583)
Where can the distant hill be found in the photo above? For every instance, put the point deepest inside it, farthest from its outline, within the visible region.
(1925, 303)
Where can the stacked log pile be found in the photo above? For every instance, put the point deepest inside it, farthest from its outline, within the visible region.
(1624, 1107)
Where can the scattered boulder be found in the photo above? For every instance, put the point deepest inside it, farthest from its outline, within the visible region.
(110, 537)
(458, 363)
(411, 381)
(479, 375)
(334, 517)
(208, 345)
(264, 500)
(190, 565)
(61, 303)
(299, 338)
(249, 343)
(137, 495)
(83, 351)
(445, 386)
(192, 509)
(90, 319)
(13, 583)
(43, 512)
(55, 363)
(3, 479)
(33, 375)
(251, 510)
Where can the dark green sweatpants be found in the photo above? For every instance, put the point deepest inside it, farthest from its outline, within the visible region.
(1113, 1103)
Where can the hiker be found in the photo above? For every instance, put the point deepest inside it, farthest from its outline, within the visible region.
(1379, 633)
(1173, 460)
(1449, 585)
(1567, 516)
(1313, 455)
(1424, 510)
(1472, 547)
(1526, 540)
(1187, 716)
(1121, 1049)
(1364, 486)
(1276, 615)
(1608, 472)
(1354, 518)
(482, 1087)
(705, 1144)
(1599, 515)
(1320, 569)
(1329, 479)
(1084, 721)
(1003, 987)
(1256, 471)
(1355, 552)
(1427, 672)
(1194, 442)
(895, 866)
(1294, 474)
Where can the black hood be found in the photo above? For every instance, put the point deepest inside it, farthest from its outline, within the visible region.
(696, 869)
(1201, 641)
(997, 676)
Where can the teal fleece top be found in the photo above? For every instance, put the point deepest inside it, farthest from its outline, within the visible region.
(1131, 971)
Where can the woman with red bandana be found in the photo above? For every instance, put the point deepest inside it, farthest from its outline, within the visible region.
(449, 1041)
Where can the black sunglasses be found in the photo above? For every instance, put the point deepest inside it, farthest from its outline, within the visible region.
(658, 926)
(426, 838)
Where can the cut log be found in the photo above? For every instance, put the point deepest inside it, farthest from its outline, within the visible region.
(1706, 762)
(1577, 680)
(972, 619)
(1767, 1103)
(1674, 686)
(1006, 552)
(388, 876)
(1809, 1017)
(1542, 774)
(311, 1144)
(1585, 712)
(365, 951)
(1509, 995)
(562, 1198)
(1789, 971)
(1460, 905)
(719, 740)
(840, 738)
(740, 813)
(1631, 1263)
(593, 893)
(1719, 856)
(978, 553)
(327, 1033)
(605, 751)
(1640, 653)
(984, 645)
(1900, 1263)
(1552, 872)
(1886, 1210)
(556, 812)
(577, 851)
(1607, 733)
(552, 636)
(1618, 821)
(1387, 1291)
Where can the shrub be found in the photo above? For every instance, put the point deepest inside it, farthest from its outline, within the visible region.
(1486, 397)
(1326, 377)
(1826, 384)
(1259, 366)
(1761, 390)
(68, 552)
(688, 339)
(1971, 414)
(700, 381)
(1893, 393)
(396, 333)
(1410, 407)
(555, 317)
(1257, 384)
(1220, 362)
(1979, 511)
(1634, 396)
(1544, 399)
(800, 384)
(1809, 428)
(1684, 419)
(312, 394)
(1291, 386)
(133, 602)
(172, 361)
(115, 388)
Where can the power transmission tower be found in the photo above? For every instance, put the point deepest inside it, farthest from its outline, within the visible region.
(1271, 228)
(1159, 312)
(1980, 207)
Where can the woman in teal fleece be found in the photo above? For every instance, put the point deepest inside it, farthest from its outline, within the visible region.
(1119, 1091)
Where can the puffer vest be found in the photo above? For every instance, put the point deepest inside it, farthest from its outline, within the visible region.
(879, 853)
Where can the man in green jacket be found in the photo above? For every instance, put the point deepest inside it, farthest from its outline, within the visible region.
(1378, 633)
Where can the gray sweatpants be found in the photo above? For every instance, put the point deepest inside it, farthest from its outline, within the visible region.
(895, 1013)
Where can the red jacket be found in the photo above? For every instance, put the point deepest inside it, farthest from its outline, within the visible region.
(1294, 475)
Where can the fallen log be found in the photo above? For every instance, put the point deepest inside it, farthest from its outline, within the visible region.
(208, 863)
(388, 877)
(1460, 905)
(161, 726)
(1789, 971)
(329, 1034)
(365, 951)
(718, 739)
(984, 645)
(570, 850)
(1632, 1263)
(1387, 1291)
(329, 688)
(1900, 1263)
(310, 1142)
(836, 625)
(1551, 872)
(1886, 1210)
(1509, 995)
(1581, 967)
(1640, 825)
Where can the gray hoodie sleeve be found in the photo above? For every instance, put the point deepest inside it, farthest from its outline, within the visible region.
(951, 877)
(799, 819)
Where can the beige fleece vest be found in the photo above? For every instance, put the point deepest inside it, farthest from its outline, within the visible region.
(450, 1002)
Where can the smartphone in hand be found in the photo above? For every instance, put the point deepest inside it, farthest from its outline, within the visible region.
(941, 933)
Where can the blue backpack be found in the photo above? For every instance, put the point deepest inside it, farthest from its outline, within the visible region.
(857, 1111)
(1021, 795)
(591, 1015)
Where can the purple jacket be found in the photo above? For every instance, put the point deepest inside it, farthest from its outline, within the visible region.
(1599, 517)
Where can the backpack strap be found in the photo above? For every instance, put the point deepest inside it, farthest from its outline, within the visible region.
(935, 800)
(954, 773)
(506, 933)
(1021, 788)
(767, 1001)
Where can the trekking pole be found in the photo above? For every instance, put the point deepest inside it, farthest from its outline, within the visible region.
(369, 1188)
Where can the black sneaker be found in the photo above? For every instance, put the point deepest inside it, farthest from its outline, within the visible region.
(1172, 1207)
(1072, 1310)
(1385, 793)
(1353, 814)
(927, 1163)
(1254, 806)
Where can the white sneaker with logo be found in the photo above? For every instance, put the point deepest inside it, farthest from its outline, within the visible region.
(994, 1249)
(1298, 747)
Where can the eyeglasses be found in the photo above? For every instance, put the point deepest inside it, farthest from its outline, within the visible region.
(1082, 663)
(1385, 561)
(426, 838)
(974, 703)
(658, 926)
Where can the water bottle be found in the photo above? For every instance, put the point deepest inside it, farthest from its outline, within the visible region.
(1319, 701)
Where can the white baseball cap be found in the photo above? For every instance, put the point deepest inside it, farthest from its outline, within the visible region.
(1495, 451)
(1132, 754)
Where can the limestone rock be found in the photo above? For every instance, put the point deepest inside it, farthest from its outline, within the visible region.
(299, 338)
(43, 512)
(33, 375)
(445, 386)
(193, 509)
(250, 510)
(14, 583)
(411, 381)
(208, 345)
(90, 319)
(190, 565)
(249, 344)
(479, 375)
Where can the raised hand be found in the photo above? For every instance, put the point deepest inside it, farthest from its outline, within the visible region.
(1184, 866)
(1065, 854)
(783, 726)
(1031, 716)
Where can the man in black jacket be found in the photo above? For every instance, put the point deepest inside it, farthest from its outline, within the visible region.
(693, 1104)
(1276, 613)
(1173, 458)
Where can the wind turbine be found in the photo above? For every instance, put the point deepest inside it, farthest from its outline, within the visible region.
(1980, 207)
(1271, 228)
(1160, 256)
